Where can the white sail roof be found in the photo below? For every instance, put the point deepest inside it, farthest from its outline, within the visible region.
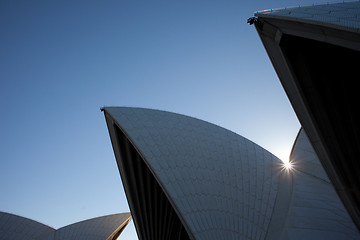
(223, 186)
(13, 227)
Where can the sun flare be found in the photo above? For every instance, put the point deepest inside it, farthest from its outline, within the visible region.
(288, 165)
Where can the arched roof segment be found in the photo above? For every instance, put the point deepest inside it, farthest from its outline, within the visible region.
(106, 227)
(15, 227)
(220, 185)
(315, 211)
(101, 228)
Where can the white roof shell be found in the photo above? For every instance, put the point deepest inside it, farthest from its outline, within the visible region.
(315, 210)
(18, 228)
(13, 227)
(223, 186)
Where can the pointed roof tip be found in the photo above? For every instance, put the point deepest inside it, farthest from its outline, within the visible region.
(106, 108)
(103, 108)
(128, 214)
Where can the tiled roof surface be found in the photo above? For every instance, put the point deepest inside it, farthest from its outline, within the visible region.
(316, 211)
(19, 228)
(227, 187)
(345, 14)
(13, 227)
(223, 184)
(99, 228)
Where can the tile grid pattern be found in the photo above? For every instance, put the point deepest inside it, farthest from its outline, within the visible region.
(223, 184)
(15, 228)
(96, 228)
(19, 228)
(346, 14)
(316, 211)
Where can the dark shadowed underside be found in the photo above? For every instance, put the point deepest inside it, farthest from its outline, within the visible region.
(153, 214)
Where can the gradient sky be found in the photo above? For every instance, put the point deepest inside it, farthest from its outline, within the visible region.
(61, 61)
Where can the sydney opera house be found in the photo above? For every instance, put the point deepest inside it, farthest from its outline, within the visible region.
(185, 178)
(13, 227)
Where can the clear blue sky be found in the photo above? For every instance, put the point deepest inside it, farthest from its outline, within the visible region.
(60, 61)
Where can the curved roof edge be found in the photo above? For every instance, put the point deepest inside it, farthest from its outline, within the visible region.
(103, 109)
(25, 218)
(304, 158)
(107, 227)
(119, 230)
(104, 227)
(180, 151)
(17, 227)
(126, 215)
(330, 15)
(170, 206)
